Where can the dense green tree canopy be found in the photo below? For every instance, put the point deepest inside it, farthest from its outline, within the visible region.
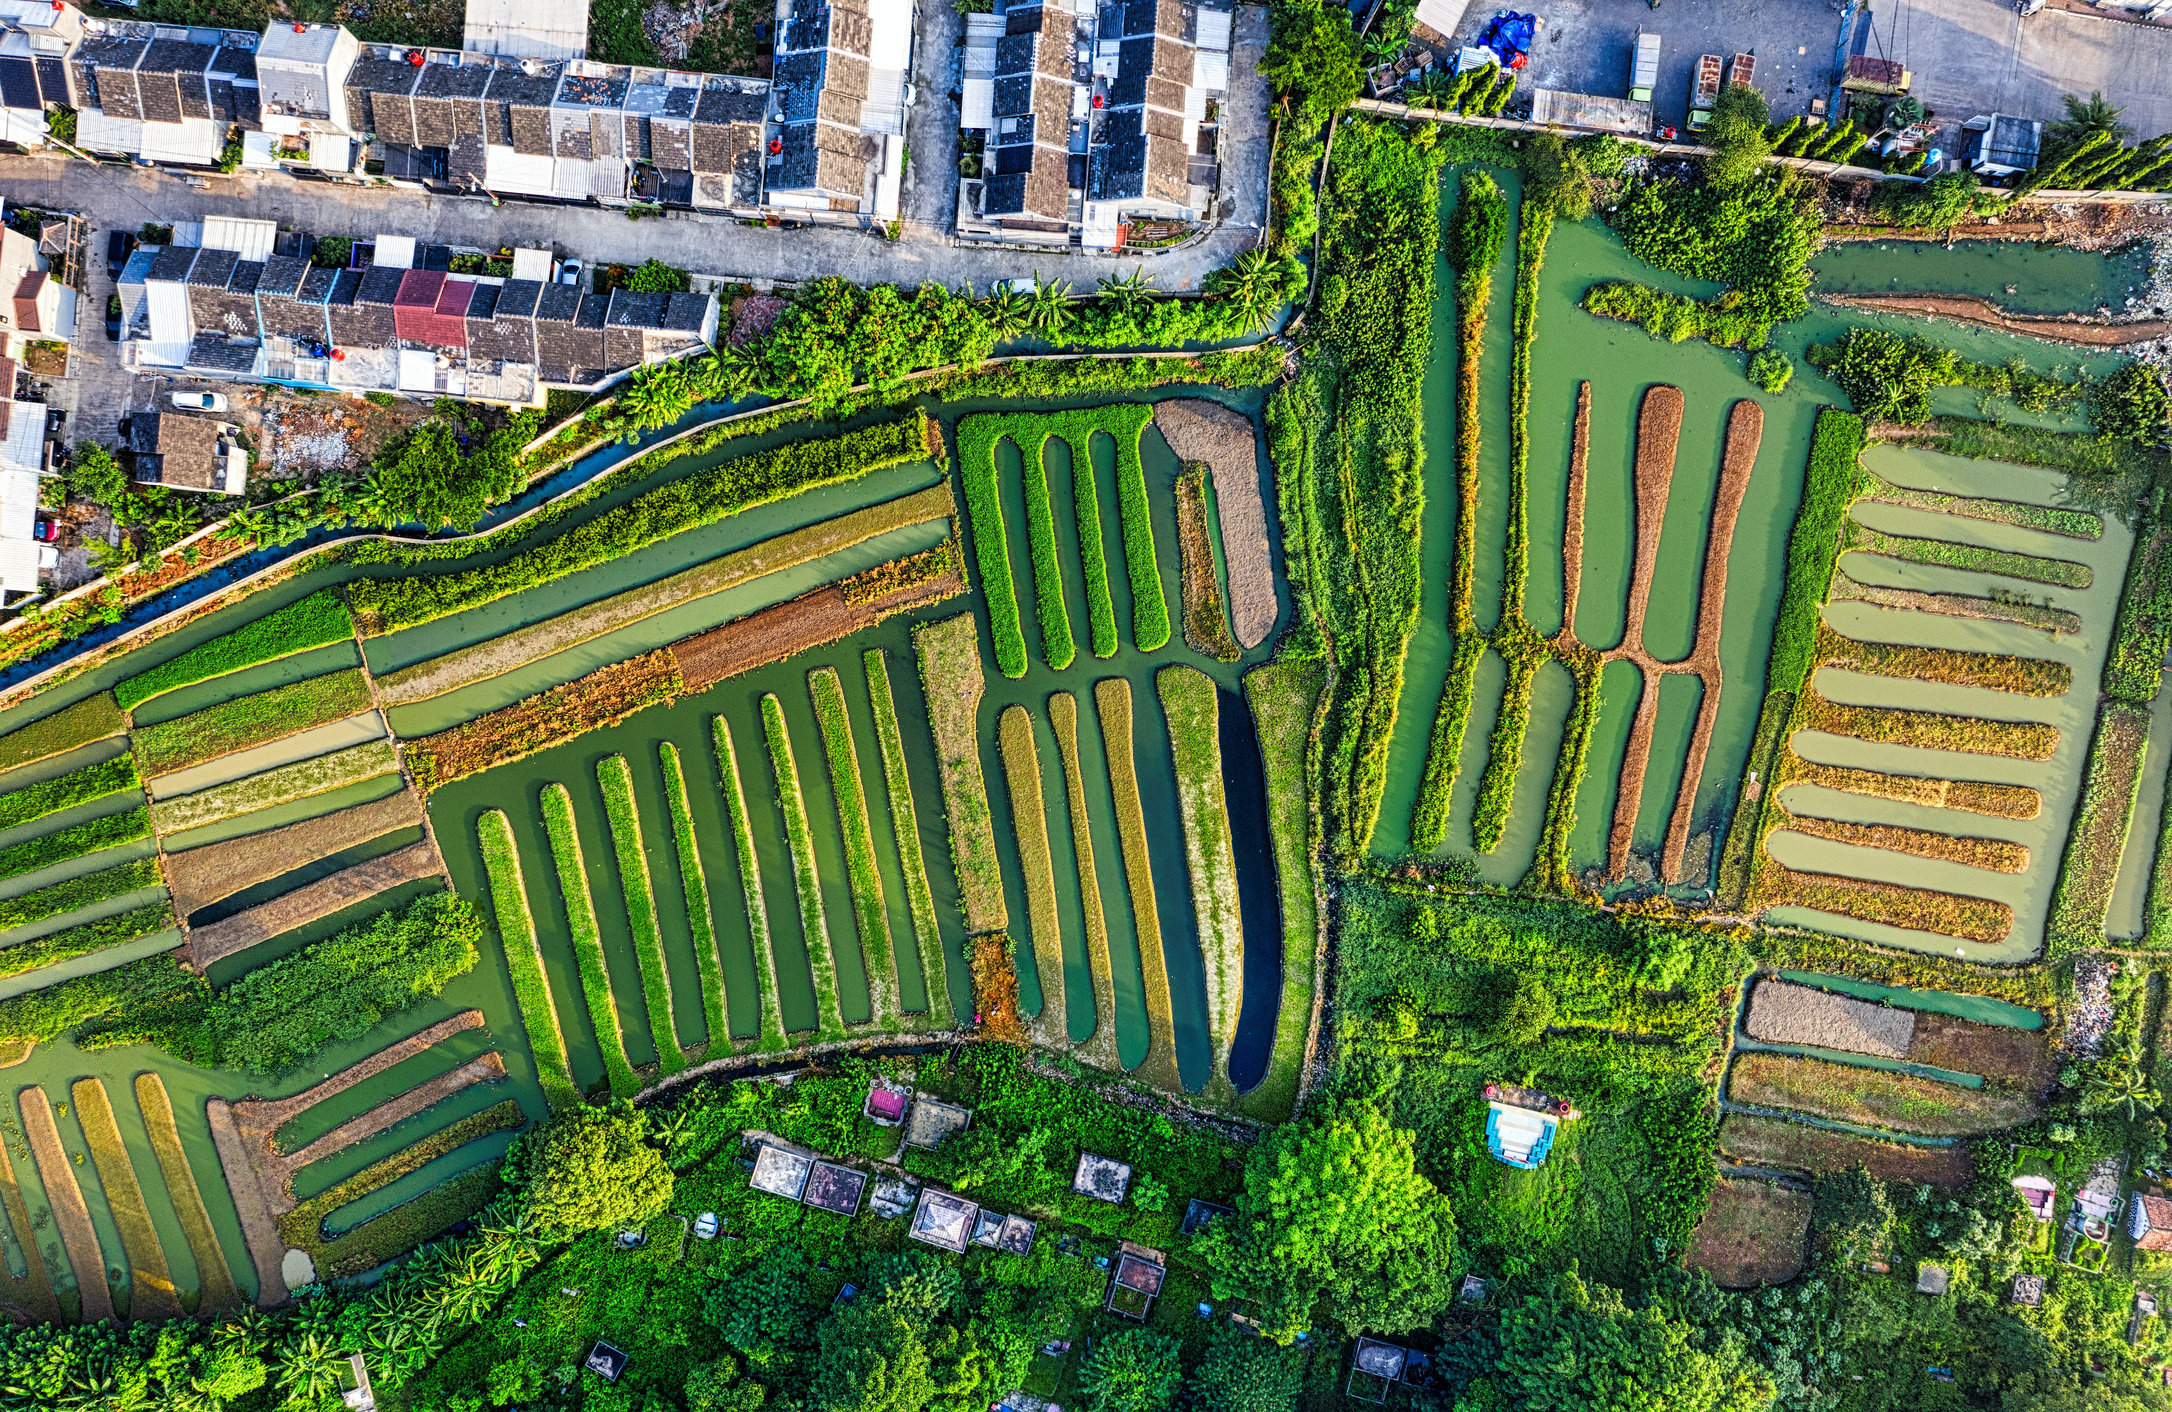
(1314, 57)
(1133, 1371)
(449, 470)
(592, 1169)
(1575, 1346)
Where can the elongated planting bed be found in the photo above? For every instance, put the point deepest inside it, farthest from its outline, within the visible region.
(595, 971)
(301, 780)
(951, 680)
(862, 876)
(771, 1034)
(524, 958)
(615, 778)
(905, 832)
(249, 721)
(806, 878)
(1191, 706)
(1112, 702)
(1029, 826)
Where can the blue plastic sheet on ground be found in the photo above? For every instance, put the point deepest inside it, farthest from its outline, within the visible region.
(1509, 34)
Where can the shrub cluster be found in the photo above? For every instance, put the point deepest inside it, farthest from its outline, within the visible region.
(1829, 485)
(1728, 321)
(1755, 237)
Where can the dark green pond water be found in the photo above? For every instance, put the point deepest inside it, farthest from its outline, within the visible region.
(2052, 279)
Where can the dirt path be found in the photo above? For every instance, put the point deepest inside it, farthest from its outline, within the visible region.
(70, 1211)
(2081, 330)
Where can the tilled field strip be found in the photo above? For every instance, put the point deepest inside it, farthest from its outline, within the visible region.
(500, 655)
(70, 1211)
(307, 904)
(152, 1298)
(1200, 430)
(30, 1297)
(201, 876)
(1784, 1013)
(283, 785)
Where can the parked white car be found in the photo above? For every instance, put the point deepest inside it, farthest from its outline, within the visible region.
(199, 401)
(570, 272)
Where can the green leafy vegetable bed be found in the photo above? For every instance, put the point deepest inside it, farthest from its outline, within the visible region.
(107, 777)
(616, 780)
(108, 832)
(85, 939)
(829, 1018)
(587, 940)
(63, 897)
(248, 721)
(93, 718)
(314, 621)
(524, 958)
(861, 874)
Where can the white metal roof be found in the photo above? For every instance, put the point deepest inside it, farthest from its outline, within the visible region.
(396, 252)
(883, 110)
(169, 301)
(528, 29)
(891, 178)
(531, 264)
(1213, 30)
(330, 152)
(19, 565)
(95, 132)
(1441, 16)
(418, 370)
(251, 239)
(194, 140)
(21, 451)
(890, 44)
(1210, 72)
(507, 170)
(977, 103)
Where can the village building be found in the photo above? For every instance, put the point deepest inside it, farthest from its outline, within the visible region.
(186, 453)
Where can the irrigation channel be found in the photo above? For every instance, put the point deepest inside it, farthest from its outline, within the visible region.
(1620, 363)
(455, 809)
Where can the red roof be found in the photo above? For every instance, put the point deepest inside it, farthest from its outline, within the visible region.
(429, 309)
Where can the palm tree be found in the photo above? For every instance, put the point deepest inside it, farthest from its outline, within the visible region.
(1253, 284)
(1048, 308)
(2120, 1081)
(1125, 294)
(2086, 117)
(309, 1369)
(1429, 91)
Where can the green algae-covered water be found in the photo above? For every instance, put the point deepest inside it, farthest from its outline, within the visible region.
(2030, 279)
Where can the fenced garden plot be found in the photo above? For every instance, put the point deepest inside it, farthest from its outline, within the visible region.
(905, 832)
(862, 876)
(1753, 1234)
(694, 886)
(639, 891)
(524, 958)
(588, 956)
(1877, 1098)
(1190, 707)
(111, 831)
(602, 698)
(94, 718)
(85, 786)
(1776, 1142)
(799, 838)
(1029, 827)
(771, 1035)
(202, 876)
(316, 621)
(950, 675)
(283, 785)
(250, 720)
(152, 1298)
(215, 1289)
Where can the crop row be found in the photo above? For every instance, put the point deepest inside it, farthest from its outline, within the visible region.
(862, 876)
(1190, 704)
(1901, 1102)
(588, 955)
(807, 882)
(1957, 605)
(771, 1035)
(1992, 854)
(602, 698)
(45, 1014)
(202, 876)
(905, 829)
(2098, 840)
(300, 780)
(248, 721)
(1813, 543)
(1092, 549)
(70, 728)
(92, 782)
(1999, 801)
(389, 604)
(1057, 646)
(1504, 750)
(316, 621)
(64, 897)
(1550, 868)
(1029, 826)
(694, 886)
(1444, 746)
(108, 832)
(1206, 624)
(216, 1293)
(950, 679)
(1112, 702)
(2025, 676)
(1100, 1046)
(151, 1295)
(1284, 698)
(615, 779)
(2142, 633)
(905, 573)
(991, 549)
(1913, 909)
(1973, 558)
(2051, 519)
(84, 939)
(1930, 730)
(524, 958)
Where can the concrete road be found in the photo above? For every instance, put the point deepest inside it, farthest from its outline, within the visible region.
(1979, 56)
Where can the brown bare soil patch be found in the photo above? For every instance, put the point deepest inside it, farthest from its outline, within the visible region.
(806, 622)
(1914, 909)
(604, 697)
(1206, 629)
(1992, 854)
(1752, 1234)
(1775, 1142)
(1782, 1012)
(2018, 1059)
(306, 904)
(2082, 330)
(1572, 530)
(1931, 730)
(1956, 605)
(201, 876)
(1659, 428)
(1200, 430)
(1999, 801)
(2024, 676)
(995, 990)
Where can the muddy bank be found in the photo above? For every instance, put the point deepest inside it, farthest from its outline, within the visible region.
(2080, 330)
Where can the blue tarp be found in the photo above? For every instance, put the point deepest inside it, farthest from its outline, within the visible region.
(1508, 35)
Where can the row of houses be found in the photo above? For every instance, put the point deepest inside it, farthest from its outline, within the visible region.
(234, 299)
(40, 268)
(516, 112)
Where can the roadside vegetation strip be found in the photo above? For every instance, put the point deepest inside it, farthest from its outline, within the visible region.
(1029, 826)
(1092, 550)
(1999, 801)
(602, 698)
(1991, 854)
(615, 778)
(806, 880)
(1879, 1098)
(70, 1212)
(1112, 701)
(283, 785)
(512, 650)
(33, 1293)
(216, 1293)
(1190, 704)
(524, 958)
(863, 877)
(151, 1295)
(694, 885)
(703, 498)
(905, 830)
(1099, 1047)
(2071, 524)
(64, 897)
(201, 876)
(250, 720)
(85, 940)
(770, 1036)
(1889, 904)
(1956, 605)
(950, 679)
(1285, 703)
(2023, 676)
(588, 956)
(1973, 558)
(85, 786)
(2089, 871)
(1782, 1012)
(99, 834)
(316, 621)
(1206, 625)
(94, 718)
(1930, 730)
(1776, 1142)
